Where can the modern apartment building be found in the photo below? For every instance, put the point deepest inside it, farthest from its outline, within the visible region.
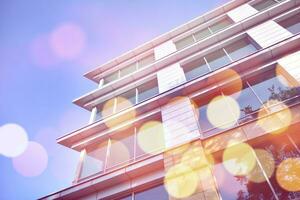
(209, 110)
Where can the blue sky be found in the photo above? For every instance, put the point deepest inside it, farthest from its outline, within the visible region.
(39, 80)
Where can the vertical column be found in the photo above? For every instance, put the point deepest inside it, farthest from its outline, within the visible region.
(93, 115)
(79, 166)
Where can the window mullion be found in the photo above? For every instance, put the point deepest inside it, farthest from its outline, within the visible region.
(136, 95)
(107, 154)
(227, 55)
(207, 64)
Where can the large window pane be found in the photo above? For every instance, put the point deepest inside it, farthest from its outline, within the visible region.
(233, 187)
(220, 25)
(147, 90)
(269, 86)
(128, 70)
(240, 49)
(145, 61)
(280, 147)
(202, 34)
(195, 69)
(112, 77)
(292, 24)
(94, 161)
(121, 148)
(217, 59)
(156, 193)
(264, 4)
(184, 42)
(126, 100)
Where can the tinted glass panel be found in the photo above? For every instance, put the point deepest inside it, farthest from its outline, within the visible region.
(156, 193)
(269, 86)
(220, 25)
(217, 59)
(145, 61)
(122, 147)
(240, 49)
(94, 160)
(147, 90)
(202, 34)
(292, 24)
(195, 69)
(264, 4)
(126, 100)
(128, 70)
(184, 42)
(112, 77)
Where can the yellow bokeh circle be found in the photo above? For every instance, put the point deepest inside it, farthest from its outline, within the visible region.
(288, 174)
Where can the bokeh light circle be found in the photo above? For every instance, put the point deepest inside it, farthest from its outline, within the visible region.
(268, 164)
(239, 159)
(68, 40)
(33, 161)
(234, 83)
(181, 181)
(151, 137)
(276, 118)
(120, 153)
(288, 174)
(13, 140)
(196, 158)
(216, 114)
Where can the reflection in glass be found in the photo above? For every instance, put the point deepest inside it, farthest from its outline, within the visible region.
(126, 100)
(264, 4)
(240, 49)
(127, 70)
(145, 61)
(112, 77)
(199, 35)
(217, 59)
(147, 90)
(195, 69)
(220, 25)
(180, 44)
(292, 24)
(155, 193)
(94, 160)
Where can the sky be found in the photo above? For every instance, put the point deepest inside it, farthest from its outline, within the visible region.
(46, 47)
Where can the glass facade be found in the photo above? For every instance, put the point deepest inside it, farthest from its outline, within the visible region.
(203, 33)
(133, 67)
(255, 93)
(264, 4)
(119, 149)
(219, 58)
(127, 99)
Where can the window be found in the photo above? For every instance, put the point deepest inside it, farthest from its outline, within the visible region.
(94, 160)
(158, 193)
(217, 59)
(199, 35)
(264, 4)
(240, 49)
(129, 69)
(220, 25)
(187, 41)
(126, 100)
(121, 148)
(292, 24)
(145, 61)
(112, 77)
(147, 90)
(195, 69)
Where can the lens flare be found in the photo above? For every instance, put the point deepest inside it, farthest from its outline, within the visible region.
(276, 118)
(13, 140)
(68, 40)
(233, 82)
(196, 158)
(110, 107)
(239, 159)
(288, 174)
(32, 162)
(151, 137)
(181, 181)
(268, 164)
(223, 112)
